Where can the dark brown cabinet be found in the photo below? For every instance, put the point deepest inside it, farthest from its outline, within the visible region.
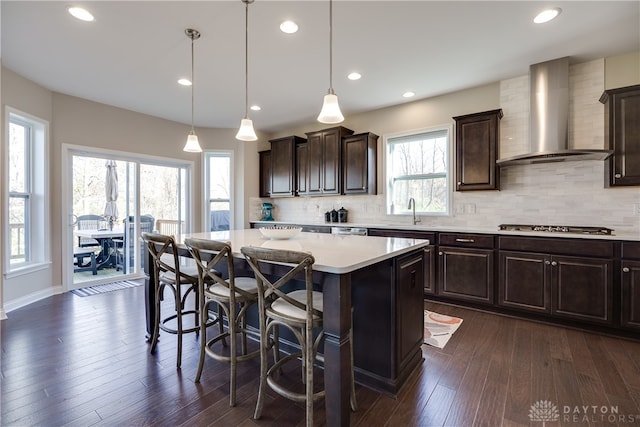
(301, 168)
(410, 317)
(466, 267)
(283, 164)
(429, 277)
(265, 173)
(359, 153)
(630, 298)
(577, 287)
(477, 137)
(622, 130)
(324, 165)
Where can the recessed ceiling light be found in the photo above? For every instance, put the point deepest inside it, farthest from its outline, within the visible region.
(354, 76)
(408, 94)
(256, 108)
(289, 27)
(184, 82)
(81, 13)
(547, 15)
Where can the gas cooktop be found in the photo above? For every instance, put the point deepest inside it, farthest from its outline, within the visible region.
(556, 228)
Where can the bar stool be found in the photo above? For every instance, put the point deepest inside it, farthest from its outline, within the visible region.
(233, 296)
(299, 311)
(182, 281)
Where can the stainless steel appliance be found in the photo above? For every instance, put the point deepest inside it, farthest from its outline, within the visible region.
(357, 231)
(557, 229)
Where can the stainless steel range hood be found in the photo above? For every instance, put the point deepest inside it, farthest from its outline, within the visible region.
(549, 118)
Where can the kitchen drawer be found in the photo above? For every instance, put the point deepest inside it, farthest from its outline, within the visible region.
(484, 241)
(631, 250)
(573, 247)
(409, 234)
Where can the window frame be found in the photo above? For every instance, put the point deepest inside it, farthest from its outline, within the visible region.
(36, 195)
(389, 140)
(206, 202)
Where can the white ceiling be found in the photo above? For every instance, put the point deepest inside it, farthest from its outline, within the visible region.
(134, 52)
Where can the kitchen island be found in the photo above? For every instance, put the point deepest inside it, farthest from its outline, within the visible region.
(380, 278)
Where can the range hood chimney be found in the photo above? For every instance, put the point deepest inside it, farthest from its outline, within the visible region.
(549, 118)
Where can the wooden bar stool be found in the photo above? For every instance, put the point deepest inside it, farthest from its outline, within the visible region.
(299, 311)
(232, 296)
(181, 281)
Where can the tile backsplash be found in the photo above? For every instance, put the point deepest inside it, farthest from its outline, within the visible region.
(566, 193)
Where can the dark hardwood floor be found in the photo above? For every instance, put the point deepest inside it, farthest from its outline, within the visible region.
(76, 361)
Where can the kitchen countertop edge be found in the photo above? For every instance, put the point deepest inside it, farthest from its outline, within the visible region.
(483, 230)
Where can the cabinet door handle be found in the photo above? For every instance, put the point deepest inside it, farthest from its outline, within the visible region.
(465, 240)
(625, 270)
(553, 263)
(441, 253)
(547, 262)
(459, 183)
(618, 175)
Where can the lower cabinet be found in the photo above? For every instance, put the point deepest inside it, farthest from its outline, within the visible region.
(572, 287)
(630, 290)
(466, 274)
(466, 265)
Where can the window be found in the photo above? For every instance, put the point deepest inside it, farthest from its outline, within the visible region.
(218, 189)
(26, 207)
(418, 167)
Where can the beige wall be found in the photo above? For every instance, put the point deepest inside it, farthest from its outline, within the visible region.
(622, 70)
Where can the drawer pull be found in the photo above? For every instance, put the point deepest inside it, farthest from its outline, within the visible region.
(618, 175)
(440, 253)
(465, 240)
(553, 263)
(625, 270)
(547, 262)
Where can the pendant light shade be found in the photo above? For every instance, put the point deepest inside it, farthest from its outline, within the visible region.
(246, 132)
(192, 145)
(330, 112)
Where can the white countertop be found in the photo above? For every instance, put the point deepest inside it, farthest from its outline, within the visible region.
(617, 235)
(333, 253)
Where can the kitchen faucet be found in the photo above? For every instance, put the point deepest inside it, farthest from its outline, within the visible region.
(412, 205)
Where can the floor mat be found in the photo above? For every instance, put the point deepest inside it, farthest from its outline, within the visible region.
(108, 287)
(439, 328)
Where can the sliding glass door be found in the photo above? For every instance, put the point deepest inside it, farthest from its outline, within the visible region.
(114, 198)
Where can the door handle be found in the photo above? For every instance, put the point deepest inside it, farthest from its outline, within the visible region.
(625, 270)
(553, 263)
(465, 240)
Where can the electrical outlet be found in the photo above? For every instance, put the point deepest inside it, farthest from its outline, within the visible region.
(636, 208)
(459, 209)
(470, 208)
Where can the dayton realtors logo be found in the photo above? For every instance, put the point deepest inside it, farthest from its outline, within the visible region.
(546, 411)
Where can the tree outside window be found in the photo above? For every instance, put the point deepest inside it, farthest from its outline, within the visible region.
(418, 167)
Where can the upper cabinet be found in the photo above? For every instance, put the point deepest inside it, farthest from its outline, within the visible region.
(622, 130)
(324, 165)
(359, 154)
(283, 166)
(477, 137)
(331, 161)
(265, 173)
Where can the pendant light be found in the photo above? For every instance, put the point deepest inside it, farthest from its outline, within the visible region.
(246, 132)
(192, 145)
(330, 112)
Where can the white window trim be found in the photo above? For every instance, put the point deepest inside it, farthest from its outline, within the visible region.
(41, 227)
(205, 203)
(450, 170)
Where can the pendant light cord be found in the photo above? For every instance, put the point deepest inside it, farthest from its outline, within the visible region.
(246, 60)
(192, 83)
(331, 47)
